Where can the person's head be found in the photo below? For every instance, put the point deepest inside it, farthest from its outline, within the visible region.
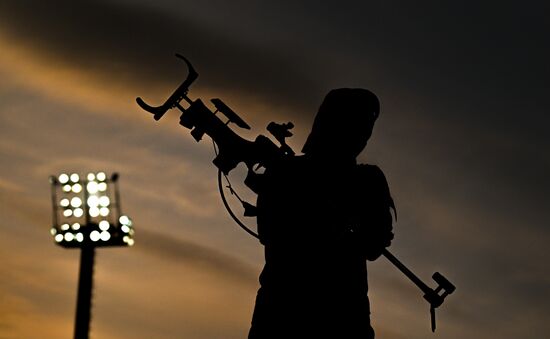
(343, 124)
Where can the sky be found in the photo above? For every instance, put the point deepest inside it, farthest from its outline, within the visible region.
(461, 139)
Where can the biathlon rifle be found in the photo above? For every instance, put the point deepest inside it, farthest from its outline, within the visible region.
(262, 152)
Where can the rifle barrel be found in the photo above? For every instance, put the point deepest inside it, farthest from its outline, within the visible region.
(425, 288)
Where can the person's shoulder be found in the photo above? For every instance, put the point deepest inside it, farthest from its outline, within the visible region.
(285, 166)
(371, 172)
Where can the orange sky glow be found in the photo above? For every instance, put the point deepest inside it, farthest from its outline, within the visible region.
(467, 206)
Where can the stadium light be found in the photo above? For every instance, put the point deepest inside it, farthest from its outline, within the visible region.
(86, 215)
(91, 202)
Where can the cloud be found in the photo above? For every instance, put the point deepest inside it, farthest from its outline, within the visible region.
(189, 253)
(191, 289)
(461, 138)
(19, 318)
(120, 45)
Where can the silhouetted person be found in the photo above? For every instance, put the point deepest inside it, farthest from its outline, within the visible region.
(320, 217)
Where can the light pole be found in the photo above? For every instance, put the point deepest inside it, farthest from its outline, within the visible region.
(86, 215)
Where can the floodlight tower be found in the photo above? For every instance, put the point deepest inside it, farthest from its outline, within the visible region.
(86, 215)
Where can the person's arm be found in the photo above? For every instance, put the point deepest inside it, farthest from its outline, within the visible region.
(376, 230)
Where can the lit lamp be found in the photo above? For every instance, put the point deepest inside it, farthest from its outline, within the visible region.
(86, 211)
(86, 215)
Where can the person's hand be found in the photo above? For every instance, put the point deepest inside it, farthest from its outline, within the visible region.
(376, 245)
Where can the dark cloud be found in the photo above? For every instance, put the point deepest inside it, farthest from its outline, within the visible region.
(452, 49)
(128, 44)
(189, 253)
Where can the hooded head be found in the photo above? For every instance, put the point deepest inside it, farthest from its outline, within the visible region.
(343, 124)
